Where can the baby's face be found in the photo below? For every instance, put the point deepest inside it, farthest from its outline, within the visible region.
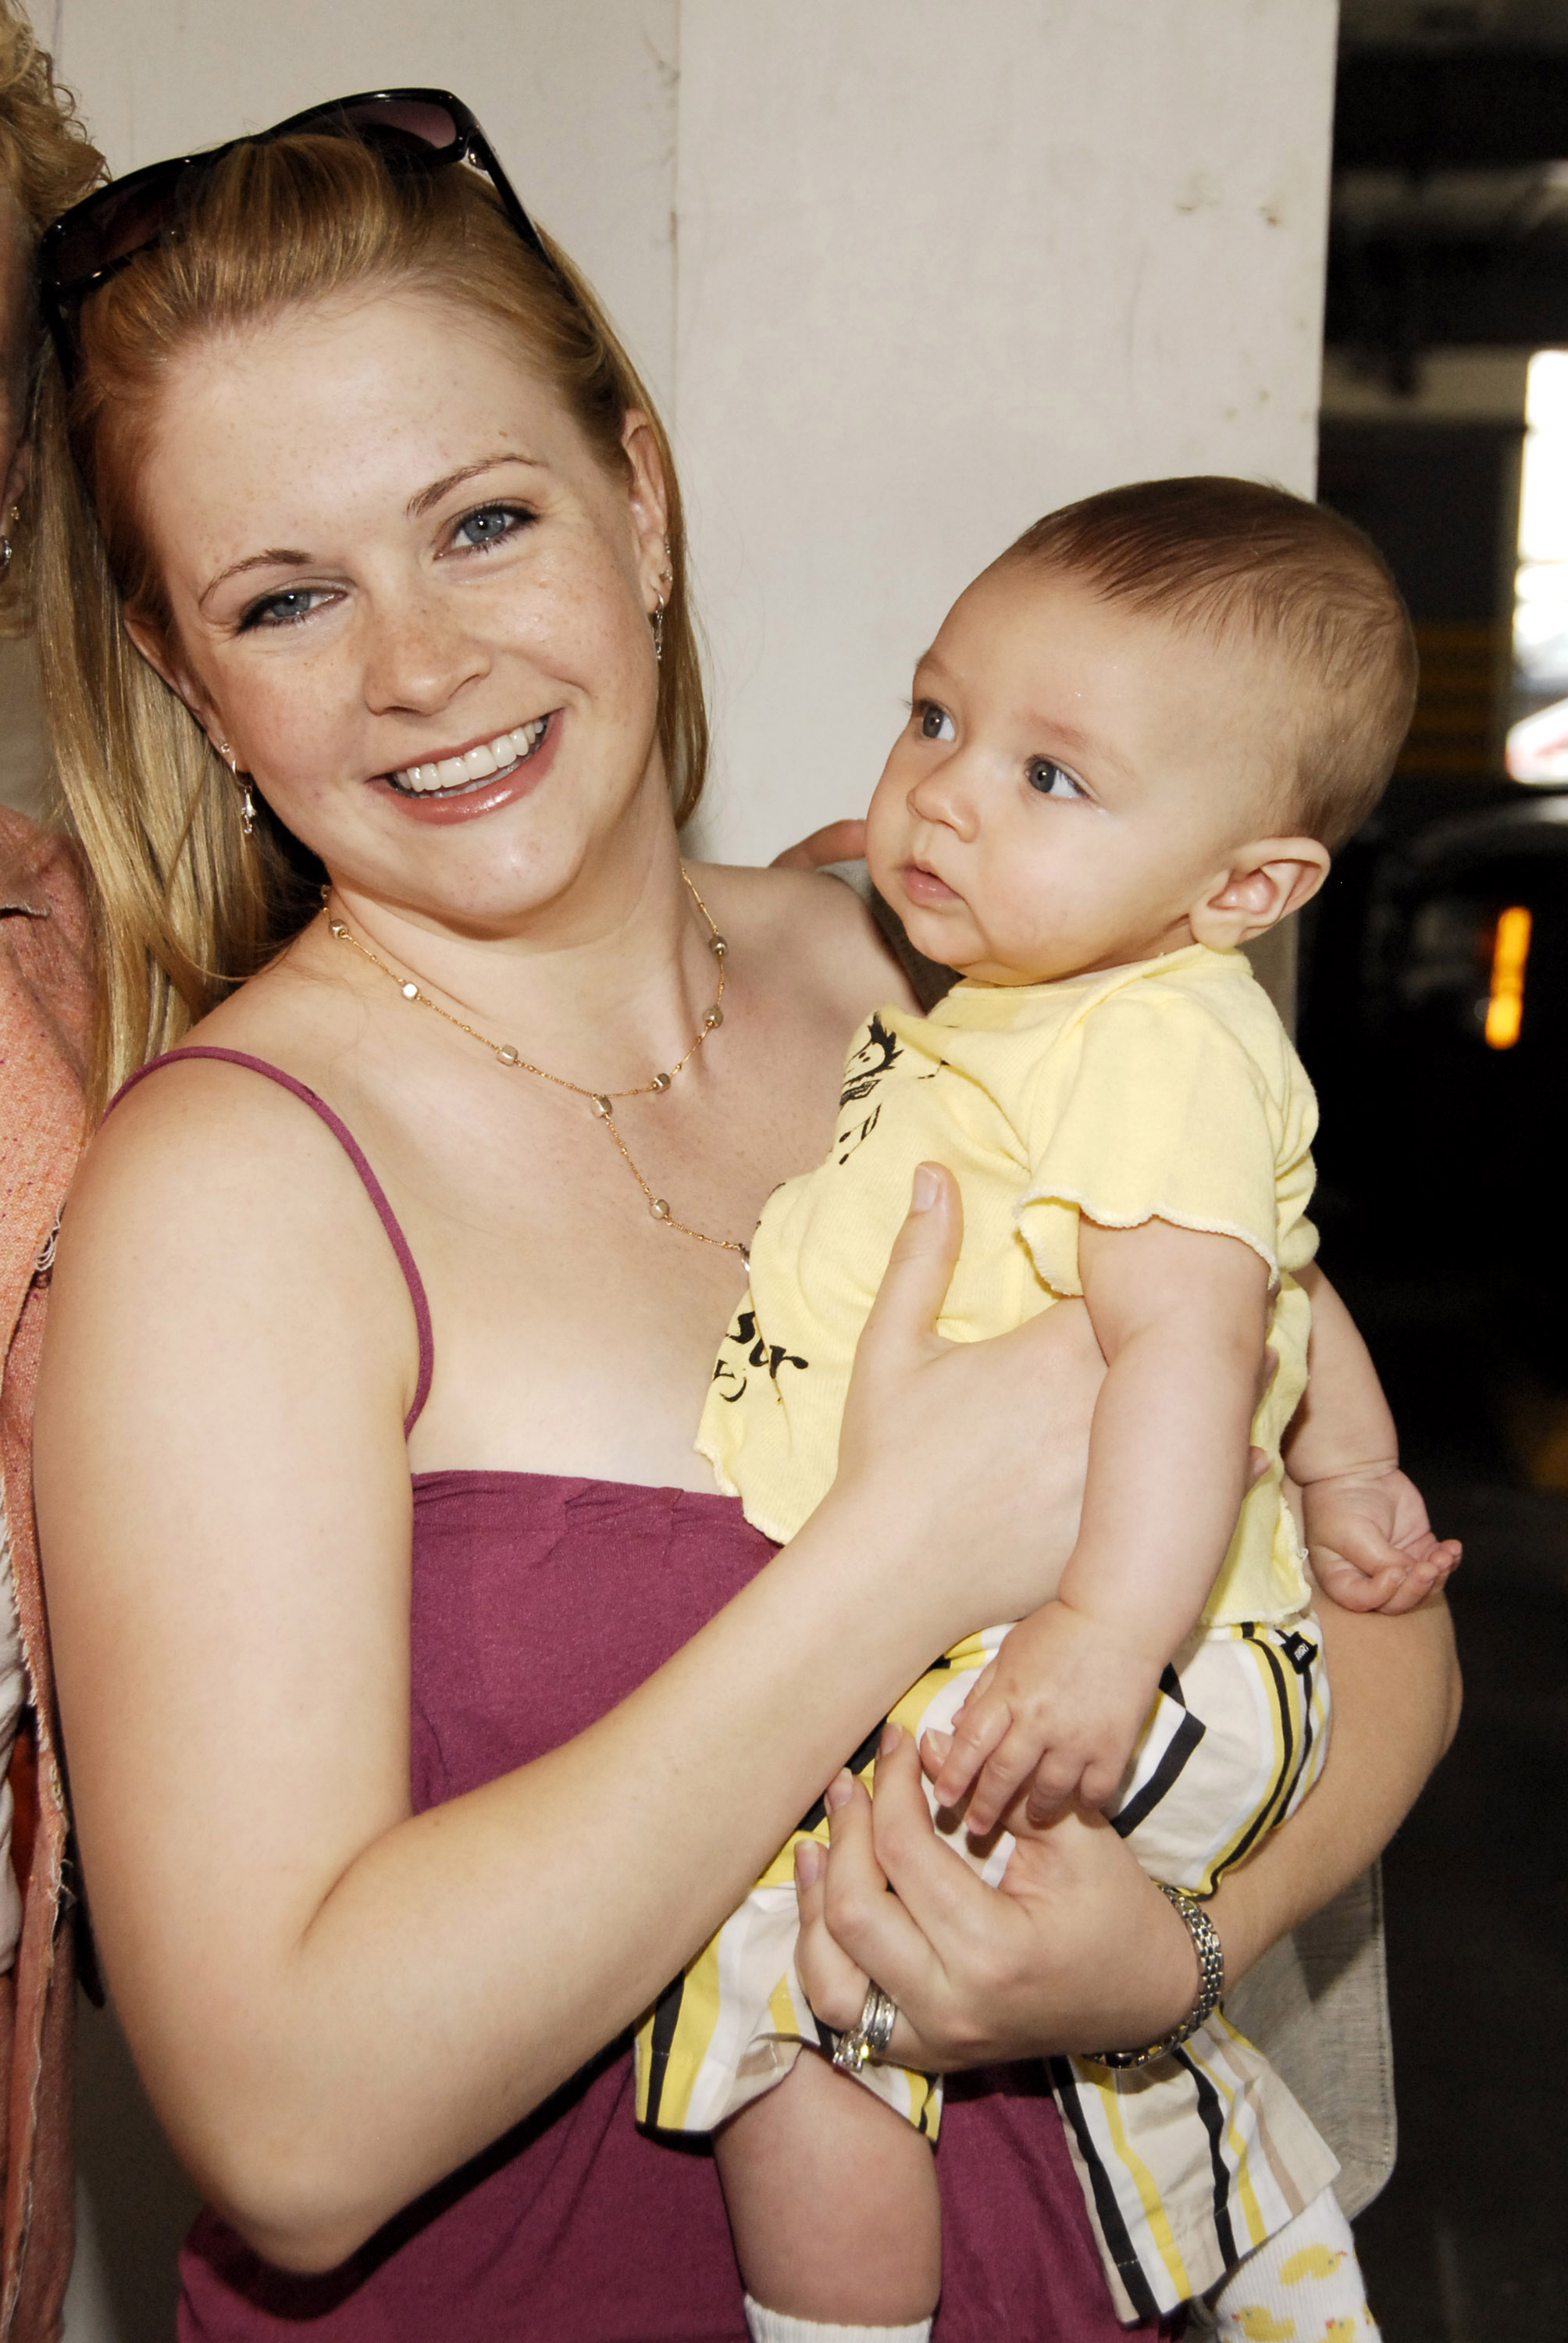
(1072, 774)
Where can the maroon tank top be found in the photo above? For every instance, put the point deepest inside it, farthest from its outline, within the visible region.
(538, 1603)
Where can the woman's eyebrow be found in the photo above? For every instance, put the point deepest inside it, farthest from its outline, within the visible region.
(426, 498)
(286, 557)
(277, 556)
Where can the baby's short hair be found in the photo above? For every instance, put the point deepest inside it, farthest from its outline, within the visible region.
(1234, 558)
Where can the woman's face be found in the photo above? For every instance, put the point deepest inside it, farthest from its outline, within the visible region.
(387, 548)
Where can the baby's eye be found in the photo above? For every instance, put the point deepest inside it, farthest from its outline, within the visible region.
(1051, 779)
(490, 525)
(936, 724)
(285, 609)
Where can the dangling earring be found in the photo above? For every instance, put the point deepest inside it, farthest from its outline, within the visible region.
(657, 619)
(5, 546)
(246, 802)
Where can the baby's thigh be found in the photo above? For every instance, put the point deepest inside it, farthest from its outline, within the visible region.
(1235, 1739)
(832, 2201)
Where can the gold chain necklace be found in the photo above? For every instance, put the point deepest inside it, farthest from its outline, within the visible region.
(601, 1102)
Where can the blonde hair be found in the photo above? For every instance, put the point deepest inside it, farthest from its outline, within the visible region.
(187, 906)
(47, 162)
(1228, 555)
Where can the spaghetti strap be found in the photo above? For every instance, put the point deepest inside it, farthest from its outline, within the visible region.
(357, 1156)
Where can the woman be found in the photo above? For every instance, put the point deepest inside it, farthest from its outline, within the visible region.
(398, 1808)
(46, 1000)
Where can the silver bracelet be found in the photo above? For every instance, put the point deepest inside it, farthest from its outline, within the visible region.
(871, 2036)
(1211, 1984)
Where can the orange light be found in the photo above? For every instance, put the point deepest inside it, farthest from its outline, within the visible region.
(1510, 952)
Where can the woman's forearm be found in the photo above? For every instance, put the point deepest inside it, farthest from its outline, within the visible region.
(1396, 1694)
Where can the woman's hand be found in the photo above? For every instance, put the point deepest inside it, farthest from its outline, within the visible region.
(973, 1454)
(837, 841)
(1077, 1950)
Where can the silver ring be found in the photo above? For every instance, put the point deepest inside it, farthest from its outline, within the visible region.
(870, 2037)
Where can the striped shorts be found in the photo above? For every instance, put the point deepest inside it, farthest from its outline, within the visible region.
(1186, 2164)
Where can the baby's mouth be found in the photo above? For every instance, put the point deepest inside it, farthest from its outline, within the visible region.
(449, 776)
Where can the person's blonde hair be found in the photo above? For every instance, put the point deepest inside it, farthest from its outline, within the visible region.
(187, 906)
(46, 163)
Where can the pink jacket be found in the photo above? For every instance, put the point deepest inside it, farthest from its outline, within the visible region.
(45, 1009)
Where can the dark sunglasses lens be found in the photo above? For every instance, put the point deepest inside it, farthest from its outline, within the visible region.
(119, 221)
(432, 124)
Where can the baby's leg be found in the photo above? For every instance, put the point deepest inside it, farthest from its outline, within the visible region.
(833, 2199)
(1306, 2281)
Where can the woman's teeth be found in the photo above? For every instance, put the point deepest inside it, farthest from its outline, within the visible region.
(476, 765)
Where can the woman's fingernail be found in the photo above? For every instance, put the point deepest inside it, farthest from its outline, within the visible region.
(840, 1791)
(808, 1862)
(892, 1736)
(925, 1194)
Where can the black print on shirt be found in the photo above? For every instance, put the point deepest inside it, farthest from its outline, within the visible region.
(745, 1340)
(877, 1054)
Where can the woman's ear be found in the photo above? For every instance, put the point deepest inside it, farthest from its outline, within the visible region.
(1265, 882)
(155, 647)
(649, 499)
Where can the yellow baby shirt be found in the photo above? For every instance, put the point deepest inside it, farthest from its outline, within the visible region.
(1167, 1090)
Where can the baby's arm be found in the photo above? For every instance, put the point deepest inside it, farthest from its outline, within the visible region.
(1372, 1545)
(1181, 1319)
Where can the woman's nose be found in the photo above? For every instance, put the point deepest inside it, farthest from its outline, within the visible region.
(419, 658)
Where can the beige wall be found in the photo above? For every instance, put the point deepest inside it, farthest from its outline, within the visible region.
(906, 273)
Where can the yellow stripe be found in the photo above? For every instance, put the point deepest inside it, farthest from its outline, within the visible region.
(1241, 2179)
(694, 2031)
(1268, 1804)
(1154, 2213)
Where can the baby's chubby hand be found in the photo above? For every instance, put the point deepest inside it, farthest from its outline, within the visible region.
(1370, 1543)
(1064, 1699)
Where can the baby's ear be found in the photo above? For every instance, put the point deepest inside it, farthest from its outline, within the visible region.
(1263, 884)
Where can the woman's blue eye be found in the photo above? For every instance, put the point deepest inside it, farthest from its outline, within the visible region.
(285, 609)
(936, 724)
(490, 525)
(1051, 779)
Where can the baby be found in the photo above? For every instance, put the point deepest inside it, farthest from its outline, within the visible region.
(1130, 748)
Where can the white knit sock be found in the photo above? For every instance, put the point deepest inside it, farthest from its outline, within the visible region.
(772, 2326)
(1304, 2286)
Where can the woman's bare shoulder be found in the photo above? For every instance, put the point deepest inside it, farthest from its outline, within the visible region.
(208, 1186)
(812, 926)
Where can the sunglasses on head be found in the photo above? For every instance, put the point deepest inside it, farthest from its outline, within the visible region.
(413, 129)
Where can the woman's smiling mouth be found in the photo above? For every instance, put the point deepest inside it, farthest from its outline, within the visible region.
(442, 775)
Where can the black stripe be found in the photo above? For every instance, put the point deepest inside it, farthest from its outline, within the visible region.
(858, 1765)
(1064, 2083)
(666, 2017)
(1213, 2120)
(1268, 1811)
(1163, 1779)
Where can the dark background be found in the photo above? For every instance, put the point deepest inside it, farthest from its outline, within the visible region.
(1438, 1166)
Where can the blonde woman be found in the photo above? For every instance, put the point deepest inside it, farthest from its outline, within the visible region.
(45, 998)
(426, 1711)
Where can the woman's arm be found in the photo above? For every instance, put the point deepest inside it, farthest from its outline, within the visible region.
(1078, 1950)
(1366, 1523)
(334, 2002)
